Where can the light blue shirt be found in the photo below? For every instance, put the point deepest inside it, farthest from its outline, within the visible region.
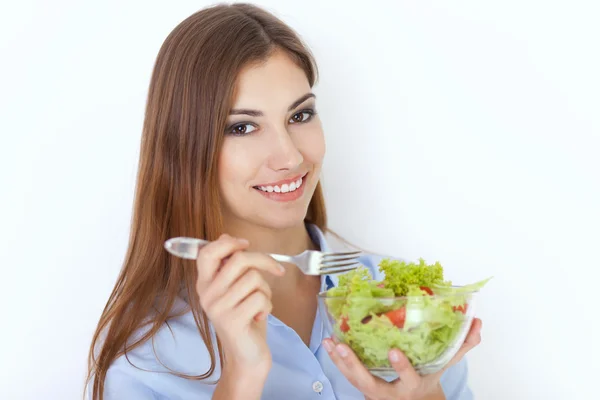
(298, 372)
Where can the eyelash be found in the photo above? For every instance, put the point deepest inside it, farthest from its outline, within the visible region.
(310, 111)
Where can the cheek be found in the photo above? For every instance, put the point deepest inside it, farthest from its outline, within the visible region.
(234, 163)
(312, 145)
(225, 167)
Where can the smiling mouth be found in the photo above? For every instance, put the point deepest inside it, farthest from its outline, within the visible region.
(290, 186)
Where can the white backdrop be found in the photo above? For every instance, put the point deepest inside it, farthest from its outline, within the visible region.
(465, 132)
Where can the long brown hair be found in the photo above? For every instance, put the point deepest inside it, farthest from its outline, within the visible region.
(190, 95)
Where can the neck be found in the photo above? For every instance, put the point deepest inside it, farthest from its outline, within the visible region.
(288, 241)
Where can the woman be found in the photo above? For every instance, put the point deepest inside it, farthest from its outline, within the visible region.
(231, 152)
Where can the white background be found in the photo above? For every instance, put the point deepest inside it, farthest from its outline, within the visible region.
(465, 132)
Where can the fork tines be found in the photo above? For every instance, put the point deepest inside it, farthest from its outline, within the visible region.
(332, 263)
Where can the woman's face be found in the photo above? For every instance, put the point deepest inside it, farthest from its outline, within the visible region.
(273, 149)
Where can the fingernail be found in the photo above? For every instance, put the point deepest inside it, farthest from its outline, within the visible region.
(328, 346)
(394, 357)
(341, 351)
(281, 267)
(244, 242)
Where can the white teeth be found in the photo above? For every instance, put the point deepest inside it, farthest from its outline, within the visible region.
(285, 188)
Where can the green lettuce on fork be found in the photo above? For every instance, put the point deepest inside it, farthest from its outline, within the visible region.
(371, 319)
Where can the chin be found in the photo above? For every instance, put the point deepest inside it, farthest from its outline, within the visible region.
(281, 221)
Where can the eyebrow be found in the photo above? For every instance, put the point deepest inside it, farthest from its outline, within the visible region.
(256, 113)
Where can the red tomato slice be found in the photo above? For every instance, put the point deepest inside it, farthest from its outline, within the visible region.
(397, 317)
(344, 325)
(461, 308)
(429, 291)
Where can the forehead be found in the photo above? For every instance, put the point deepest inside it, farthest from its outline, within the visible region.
(276, 81)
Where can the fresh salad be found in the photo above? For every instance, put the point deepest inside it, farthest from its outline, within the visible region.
(371, 319)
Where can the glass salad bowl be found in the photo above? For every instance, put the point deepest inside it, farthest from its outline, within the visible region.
(428, 327)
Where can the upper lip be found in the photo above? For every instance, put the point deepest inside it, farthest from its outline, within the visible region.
(283, 182)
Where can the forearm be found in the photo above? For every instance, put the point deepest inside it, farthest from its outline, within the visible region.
(240, 385)
(437, 395)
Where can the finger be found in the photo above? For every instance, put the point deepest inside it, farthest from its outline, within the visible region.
(347, 362)
(472, 340)
(250, 282)
(210, 257)
(237, 265)
(409, 378)
(255, 305)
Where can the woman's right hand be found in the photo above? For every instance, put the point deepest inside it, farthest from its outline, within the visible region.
(237, 300)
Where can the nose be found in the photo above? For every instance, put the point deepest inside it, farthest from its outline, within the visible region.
(285, 155)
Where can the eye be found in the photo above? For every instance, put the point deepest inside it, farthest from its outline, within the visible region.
(302, 116)
(241, 129)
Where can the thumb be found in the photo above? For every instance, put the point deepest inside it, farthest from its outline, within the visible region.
(408, 376)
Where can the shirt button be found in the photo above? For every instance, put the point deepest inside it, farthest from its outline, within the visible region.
(318, 387)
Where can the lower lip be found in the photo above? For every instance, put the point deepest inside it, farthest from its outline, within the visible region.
(289, 196)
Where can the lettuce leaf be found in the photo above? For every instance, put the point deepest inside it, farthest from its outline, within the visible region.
(470, 288)
(400, 276)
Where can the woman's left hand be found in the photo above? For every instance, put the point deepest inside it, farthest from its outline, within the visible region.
(410, 385)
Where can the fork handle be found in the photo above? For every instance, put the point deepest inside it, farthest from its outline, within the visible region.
(186, 247)
(282, 258)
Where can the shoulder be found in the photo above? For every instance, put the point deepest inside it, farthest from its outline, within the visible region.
(177, 345)
(155, 367)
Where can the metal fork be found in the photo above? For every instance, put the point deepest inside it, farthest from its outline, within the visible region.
(310, 262)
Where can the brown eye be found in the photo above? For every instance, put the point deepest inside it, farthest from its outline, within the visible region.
(300, 117)
(241, 129)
